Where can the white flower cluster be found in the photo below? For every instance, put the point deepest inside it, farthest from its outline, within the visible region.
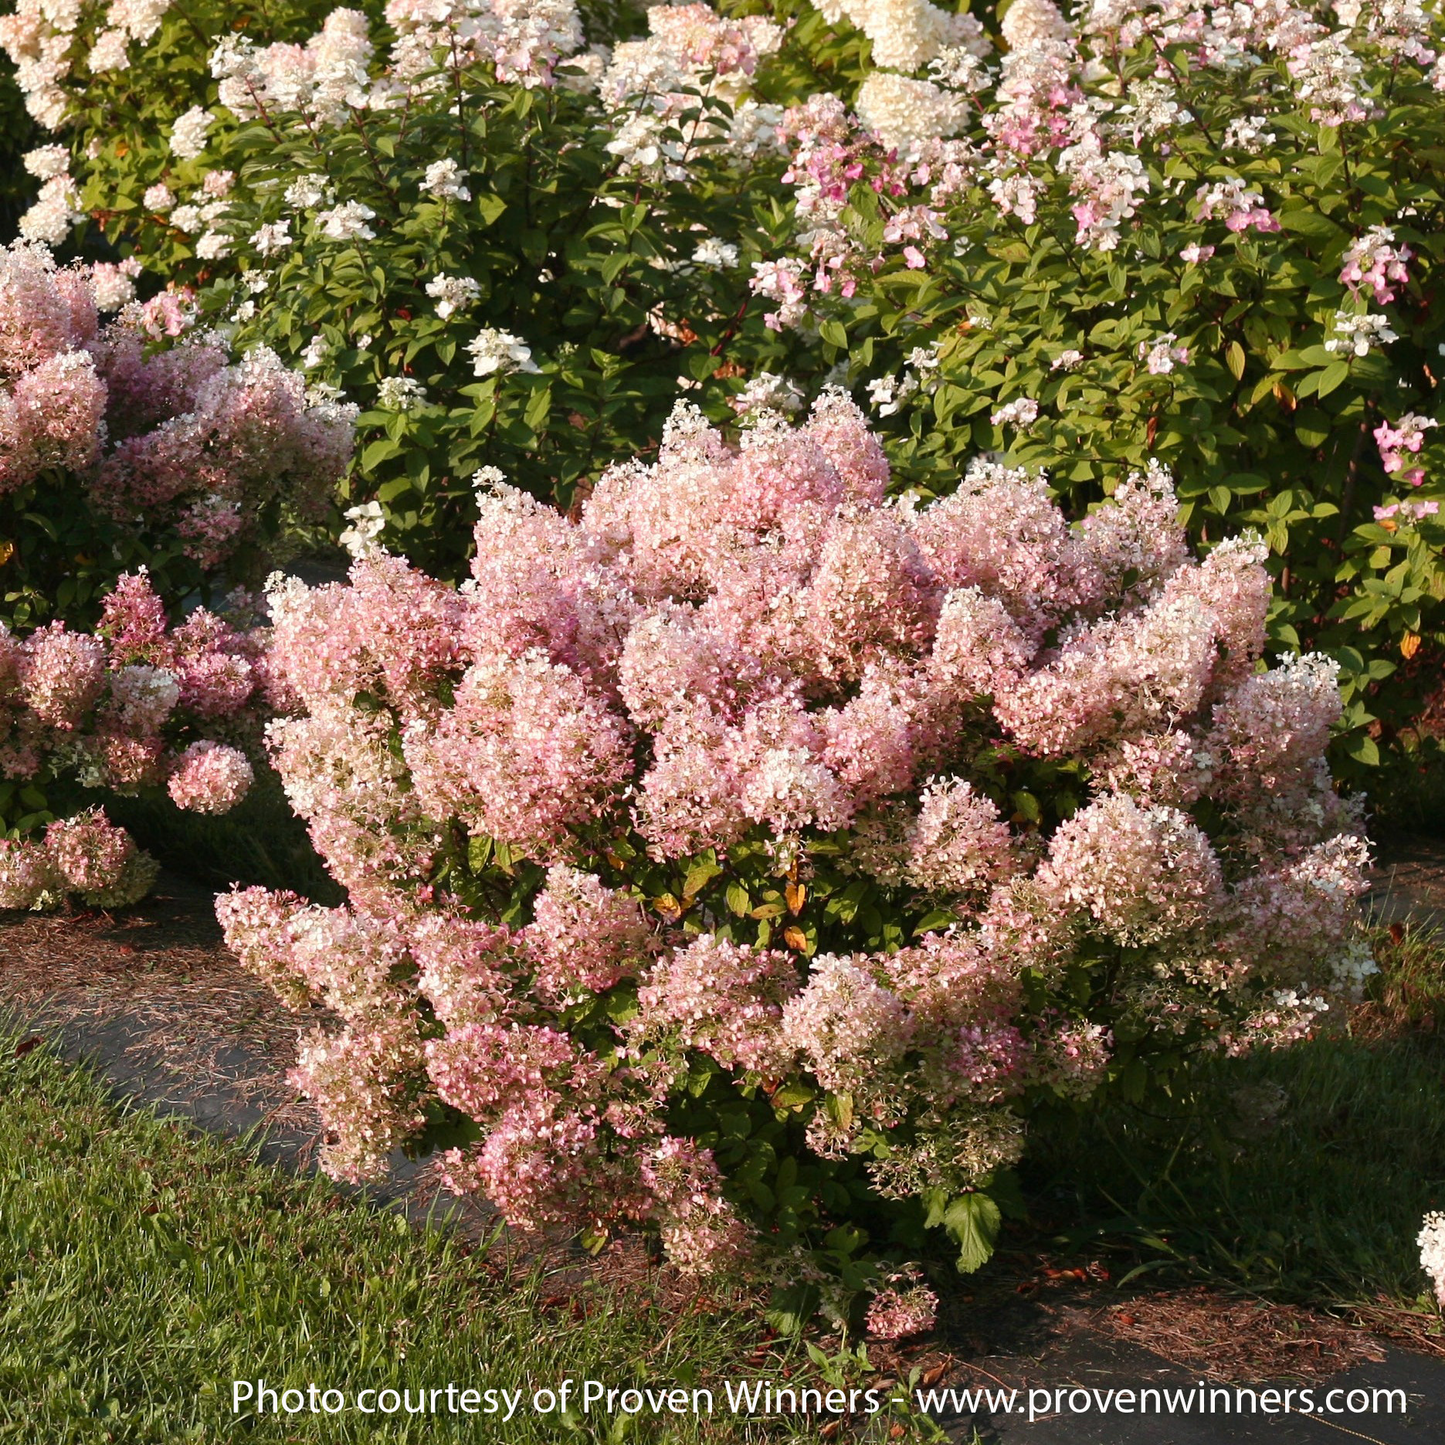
(496, 352)
(271, 238)
(907, 34)
(711, 251)
(400, 393)
(1161, 355)
(1431, 1240)
(886, 394)
(1247, 133)
(767, 392)
(347, 222)
(444, 180)
(1359, 332)
(367, 524)
(1022, 412)
(452, 293)
(906, 114)
(188, 134)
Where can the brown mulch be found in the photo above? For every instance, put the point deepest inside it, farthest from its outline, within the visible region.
(162, 967)
(1237, 1339)
(1410, 1328)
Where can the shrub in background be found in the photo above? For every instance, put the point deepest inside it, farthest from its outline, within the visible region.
(1208, 236)
(122, 446)
(508, 249)
(747, 857)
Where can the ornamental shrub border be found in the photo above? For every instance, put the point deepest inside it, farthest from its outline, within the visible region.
(1205, 236)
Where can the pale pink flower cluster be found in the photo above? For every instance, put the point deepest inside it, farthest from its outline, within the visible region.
(210, 778)
(691, 50)
(39, 36)
(1400, 439)
(1375, 263)
(902, 1307)
(55, 211)
(746, 652)
(1398, 512)
(1142, 873)
(724, 1000)
(176, 438)
(1240, 208)
(584, 937)
(357, 1079)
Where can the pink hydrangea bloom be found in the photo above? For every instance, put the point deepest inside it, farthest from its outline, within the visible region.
(210, 778)
(581, 805)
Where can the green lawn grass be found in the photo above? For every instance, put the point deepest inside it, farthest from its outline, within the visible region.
(1302, 1174)
(143, 1268)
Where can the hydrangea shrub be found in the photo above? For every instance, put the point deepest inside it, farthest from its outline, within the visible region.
(139, 704)
(130, 442)
(747, 855)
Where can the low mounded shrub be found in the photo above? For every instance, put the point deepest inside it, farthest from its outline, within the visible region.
(139, 706)
(747, 857)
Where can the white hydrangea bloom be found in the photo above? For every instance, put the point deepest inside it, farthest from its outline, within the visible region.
(188, 134)
(494, 352)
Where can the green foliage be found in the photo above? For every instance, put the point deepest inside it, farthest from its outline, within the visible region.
(569, 255)
(1253, 1171)
(18, 134)
(60, 555)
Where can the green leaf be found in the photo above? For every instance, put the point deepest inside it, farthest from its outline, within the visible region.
(700, 873)
(379, 451)
(794, 1096)
(479, 853)
(1362, 749)
(491, 206)
(972, 1220)
(737, 899)
(789, 1310)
